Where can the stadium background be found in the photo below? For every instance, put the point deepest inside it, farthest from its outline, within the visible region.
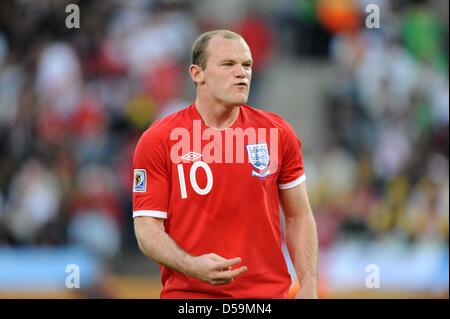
(370, 105)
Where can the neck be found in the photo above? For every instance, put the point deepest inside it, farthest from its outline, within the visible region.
(217, 115)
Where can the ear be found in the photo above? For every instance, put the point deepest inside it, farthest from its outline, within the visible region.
(197, 74)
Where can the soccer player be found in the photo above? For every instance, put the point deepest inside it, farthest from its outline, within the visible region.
(208, 184)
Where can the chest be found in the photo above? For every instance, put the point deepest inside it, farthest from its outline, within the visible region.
(224, 161)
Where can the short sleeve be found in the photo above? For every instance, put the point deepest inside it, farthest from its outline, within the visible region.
(292, 168)
(151, 182)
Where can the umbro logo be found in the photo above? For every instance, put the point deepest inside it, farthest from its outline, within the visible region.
(191, 156)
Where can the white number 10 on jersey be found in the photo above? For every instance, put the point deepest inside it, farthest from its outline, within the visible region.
(193, 179)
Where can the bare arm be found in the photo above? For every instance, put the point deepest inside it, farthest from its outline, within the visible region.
(156, 244)
(301, 238)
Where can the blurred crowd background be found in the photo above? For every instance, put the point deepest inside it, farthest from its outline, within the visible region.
(370, 105)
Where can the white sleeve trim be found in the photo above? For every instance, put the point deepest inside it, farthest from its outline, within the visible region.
(294, 183)
(150, 213)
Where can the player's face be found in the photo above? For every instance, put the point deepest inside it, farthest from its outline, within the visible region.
(228, 70)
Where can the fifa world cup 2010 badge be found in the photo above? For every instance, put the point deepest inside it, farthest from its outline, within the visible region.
(258, 156)
(140, 180)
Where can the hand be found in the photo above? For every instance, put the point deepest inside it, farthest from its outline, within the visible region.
(214, 269)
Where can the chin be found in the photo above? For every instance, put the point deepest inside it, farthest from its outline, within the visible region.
(240, 101)
(235, 100)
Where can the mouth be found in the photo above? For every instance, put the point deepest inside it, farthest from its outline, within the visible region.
(241, 84)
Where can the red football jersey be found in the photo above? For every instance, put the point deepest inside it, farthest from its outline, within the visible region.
(218, 191)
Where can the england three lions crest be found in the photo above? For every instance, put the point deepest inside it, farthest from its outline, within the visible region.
(259, 157)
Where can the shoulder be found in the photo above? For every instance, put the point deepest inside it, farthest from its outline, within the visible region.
(160, 130)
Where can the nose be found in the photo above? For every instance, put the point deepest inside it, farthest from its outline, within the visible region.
(239, 71)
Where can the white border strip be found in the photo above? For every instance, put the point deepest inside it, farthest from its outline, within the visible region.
(292, 184)
(150, 213)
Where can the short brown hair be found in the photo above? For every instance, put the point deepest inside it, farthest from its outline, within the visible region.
(199, 47)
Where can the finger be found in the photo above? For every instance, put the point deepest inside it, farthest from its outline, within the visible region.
(226, 269)
(230, 274)
(228, 263)
(221, 282)
(216, 257)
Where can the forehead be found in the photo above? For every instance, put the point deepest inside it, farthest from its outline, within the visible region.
(219, 48)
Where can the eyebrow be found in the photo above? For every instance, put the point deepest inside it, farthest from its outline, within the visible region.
(234, 61)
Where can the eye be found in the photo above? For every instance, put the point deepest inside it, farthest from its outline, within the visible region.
(247, 65)
(228, 64)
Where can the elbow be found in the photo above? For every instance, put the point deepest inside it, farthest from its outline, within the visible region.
(139, 236)
(300, 217)
(146, 228)
(139, 241)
